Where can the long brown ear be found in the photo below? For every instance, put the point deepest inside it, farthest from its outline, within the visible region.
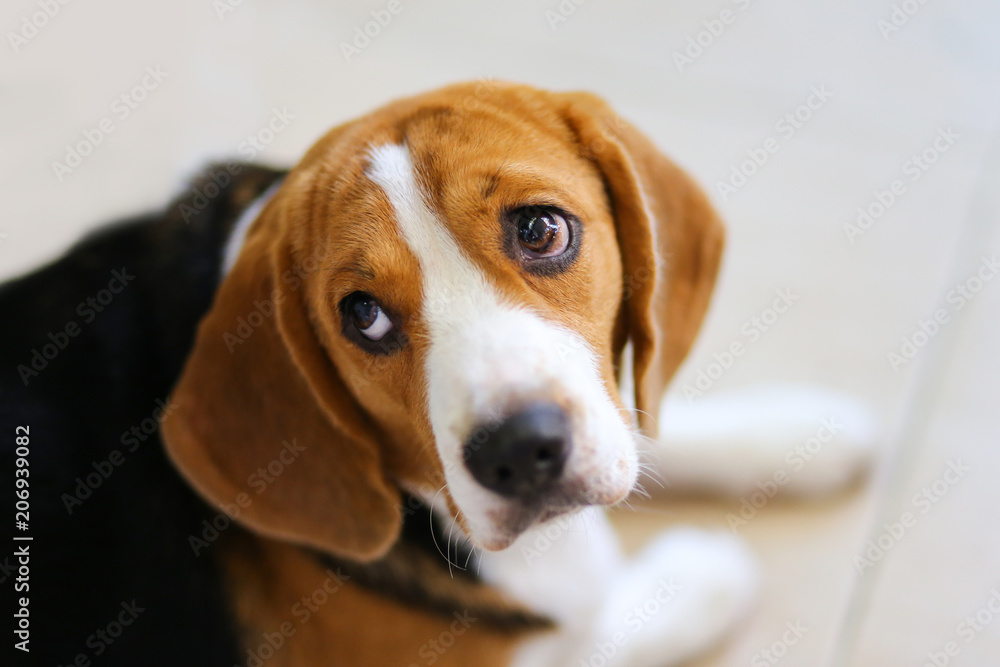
(261, 411)
(671, 242)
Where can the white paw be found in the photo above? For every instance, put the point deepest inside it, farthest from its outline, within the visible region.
(678, 597)
(798, 439)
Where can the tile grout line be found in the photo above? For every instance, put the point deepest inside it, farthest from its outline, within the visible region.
(899, 463)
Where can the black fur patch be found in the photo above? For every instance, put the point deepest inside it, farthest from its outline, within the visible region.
(88, 346)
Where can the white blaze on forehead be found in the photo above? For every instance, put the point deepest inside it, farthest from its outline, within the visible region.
(450, 281)
(487, 356)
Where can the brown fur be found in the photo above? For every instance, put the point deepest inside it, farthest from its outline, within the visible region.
(313, 614)
(362, 418)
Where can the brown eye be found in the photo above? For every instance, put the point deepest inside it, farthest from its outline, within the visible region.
(541, 232)
(367, 316)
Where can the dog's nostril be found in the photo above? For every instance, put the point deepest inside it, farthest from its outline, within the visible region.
(524, 455)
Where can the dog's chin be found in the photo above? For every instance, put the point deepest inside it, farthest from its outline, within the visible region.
(509, 523)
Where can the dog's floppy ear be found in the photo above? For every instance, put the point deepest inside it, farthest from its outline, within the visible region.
(262, 411)
(670, 239)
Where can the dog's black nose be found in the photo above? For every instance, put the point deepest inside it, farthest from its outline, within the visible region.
(524, 455)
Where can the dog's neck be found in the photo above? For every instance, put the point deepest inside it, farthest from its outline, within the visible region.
(428, 569)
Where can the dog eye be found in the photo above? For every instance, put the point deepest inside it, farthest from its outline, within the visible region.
(367, 316)
(541, 232)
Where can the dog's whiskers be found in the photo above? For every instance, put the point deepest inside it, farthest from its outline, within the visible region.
(652, 473)
(472, 552)
(454, 521)
(446, 556)
(641, 490)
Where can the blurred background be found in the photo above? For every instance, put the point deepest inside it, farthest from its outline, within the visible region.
(851, 147)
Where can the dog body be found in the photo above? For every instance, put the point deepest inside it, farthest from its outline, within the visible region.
(400, 413)
(110, 518)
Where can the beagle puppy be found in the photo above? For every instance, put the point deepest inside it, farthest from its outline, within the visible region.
(447, 288)
(397, 385)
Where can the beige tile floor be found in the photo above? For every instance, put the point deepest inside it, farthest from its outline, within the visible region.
(890, 97)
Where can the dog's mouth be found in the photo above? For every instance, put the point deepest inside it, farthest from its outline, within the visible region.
(513, 521)
(534, 464)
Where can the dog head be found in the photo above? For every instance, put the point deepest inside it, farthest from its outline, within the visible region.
(444, 290)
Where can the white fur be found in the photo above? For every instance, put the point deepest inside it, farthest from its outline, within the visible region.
(238, 236)
(676, 598)
(545, 565)
(487, 356)
(673, 600)
(687, 588)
